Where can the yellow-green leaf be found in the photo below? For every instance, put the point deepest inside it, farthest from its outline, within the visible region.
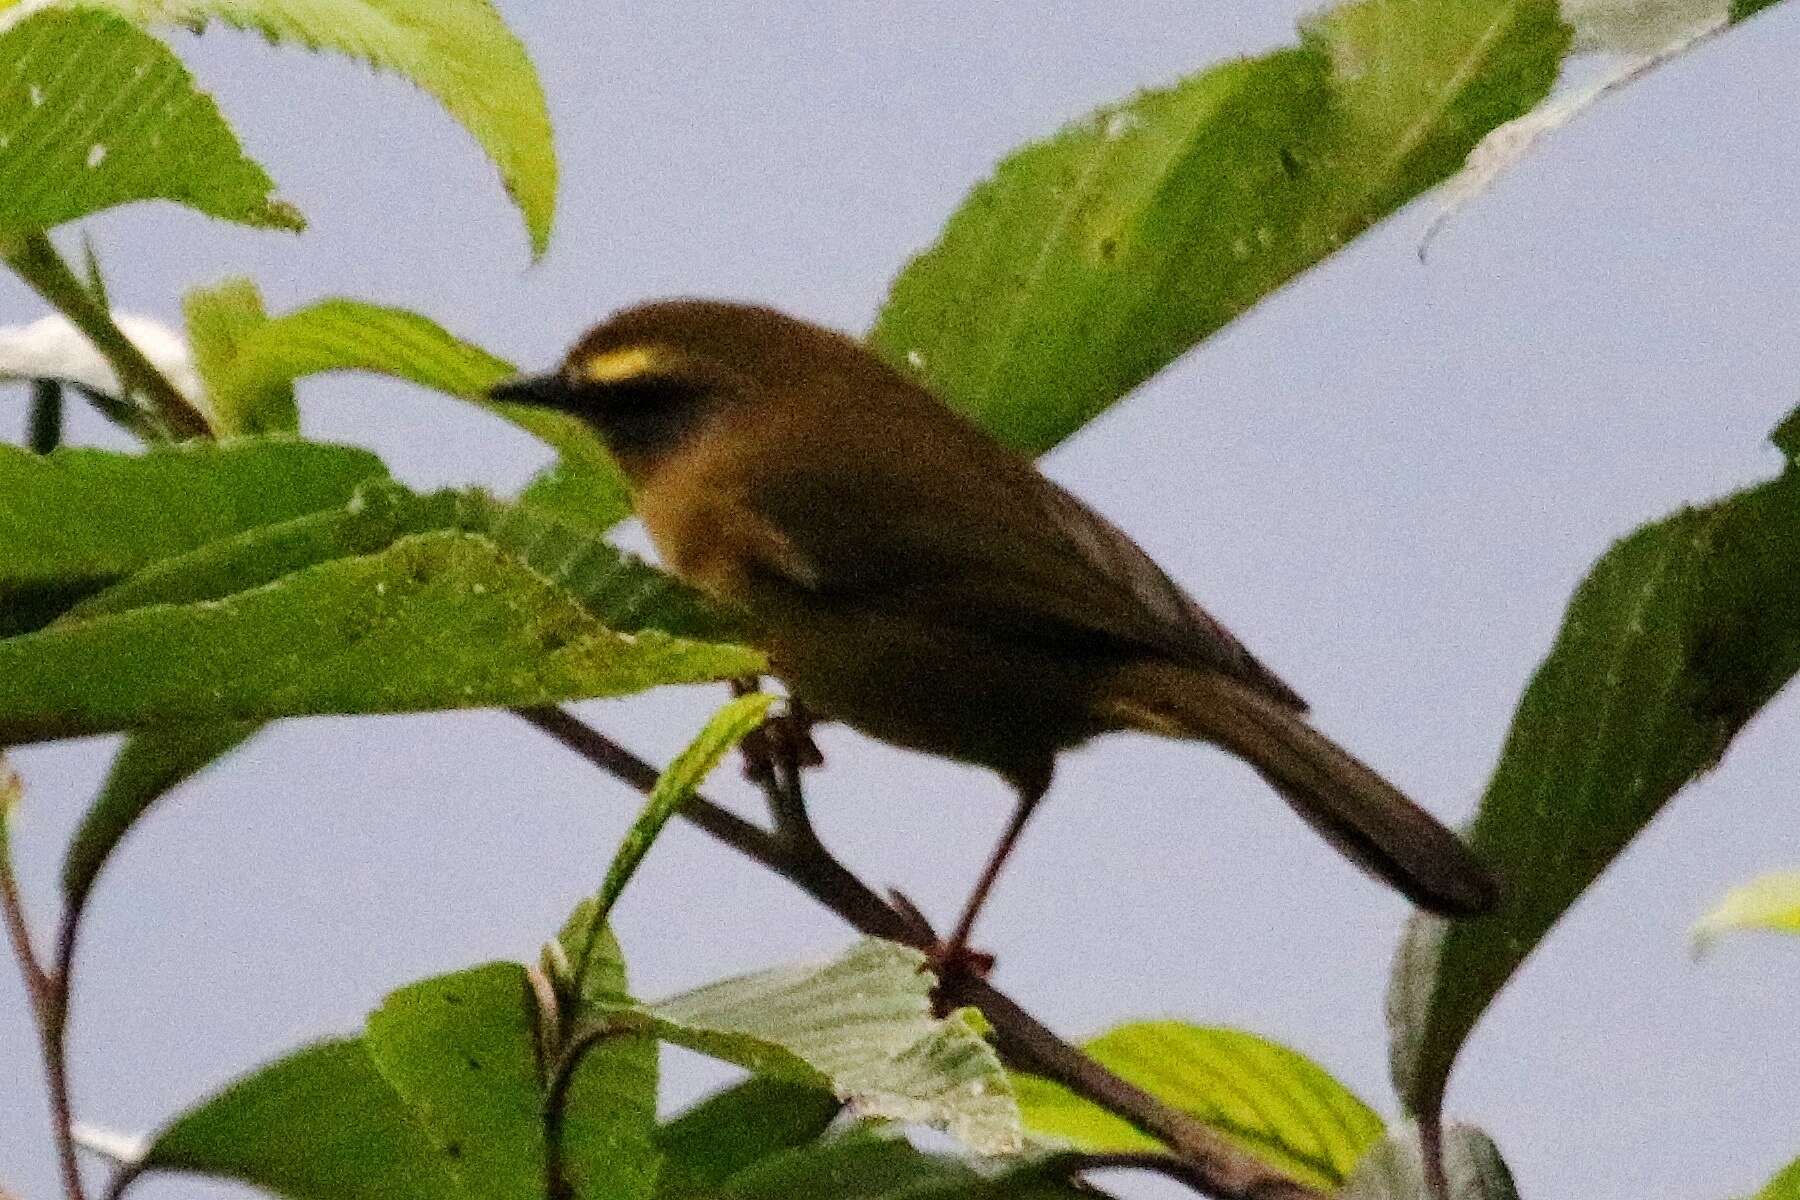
(1275, 1103)
(458, 51)
(95, 113)
(1092, 260)
(1769, 902)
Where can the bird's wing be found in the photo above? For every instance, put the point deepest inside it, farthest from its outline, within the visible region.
(1011, 553)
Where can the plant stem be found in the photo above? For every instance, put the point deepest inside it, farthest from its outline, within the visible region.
(1431, 1155)
(34, 258)
(45, 431)
(556, 1099)
(49, 998)
(1213, 1166)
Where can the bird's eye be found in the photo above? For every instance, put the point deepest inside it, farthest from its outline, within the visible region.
(626, 364)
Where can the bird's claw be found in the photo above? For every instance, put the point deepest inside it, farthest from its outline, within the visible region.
(785, 739)
(951, 964)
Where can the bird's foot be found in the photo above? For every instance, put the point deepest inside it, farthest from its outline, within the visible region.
(952, 963)
(783, 739)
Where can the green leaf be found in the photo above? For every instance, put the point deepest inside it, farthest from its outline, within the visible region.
(437, 620)
(461, 1052)
(609, 1138)
(379, 514)
(219, 321)
(605, 981)
(674, 787)
(78, 520)
(1769, 902)
(351, 335)
(1278, 1105)
(1785, 1186)
(95, 113)
(862, 1026)
(876, 1167)
(148, 765)
(1090, 261)
(1678, 636)
(319, 1124)
(1420, 82)
(609, 1149)
(580, 493)
(458, 51)
(625, 593)
(621, 589)
(1395, 1170)
(731, 1131)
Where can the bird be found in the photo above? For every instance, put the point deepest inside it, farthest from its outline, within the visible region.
(911, 577)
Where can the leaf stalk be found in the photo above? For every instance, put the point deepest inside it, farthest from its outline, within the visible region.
(33, 257)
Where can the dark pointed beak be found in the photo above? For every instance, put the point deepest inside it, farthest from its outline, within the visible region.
(538, 391)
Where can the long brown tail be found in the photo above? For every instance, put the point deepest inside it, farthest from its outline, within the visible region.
(1359, 812)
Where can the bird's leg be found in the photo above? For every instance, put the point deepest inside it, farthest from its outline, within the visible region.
(793, 731)
(785, 738)
(955, 956)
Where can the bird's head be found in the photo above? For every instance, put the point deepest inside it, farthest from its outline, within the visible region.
(650, 376)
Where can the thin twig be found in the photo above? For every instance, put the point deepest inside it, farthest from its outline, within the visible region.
(34, 258)
(741, 835)
(1216, 1167)
(126, 415)
(49, 1000)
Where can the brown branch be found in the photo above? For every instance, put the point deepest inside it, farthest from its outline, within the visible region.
(1213, 1166)
(1217, 1167)
(48, 994)
(741, 835)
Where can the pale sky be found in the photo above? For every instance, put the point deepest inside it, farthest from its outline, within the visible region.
(1387, 480)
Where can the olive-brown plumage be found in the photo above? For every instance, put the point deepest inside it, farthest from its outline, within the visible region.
(913, 578)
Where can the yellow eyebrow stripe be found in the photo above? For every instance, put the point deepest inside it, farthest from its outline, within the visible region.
(616, 366)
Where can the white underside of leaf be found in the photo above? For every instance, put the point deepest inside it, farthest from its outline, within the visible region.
(1395, 1169)
(1644, 34)
(52, 348)
(120, 1149)
(1641, 27)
